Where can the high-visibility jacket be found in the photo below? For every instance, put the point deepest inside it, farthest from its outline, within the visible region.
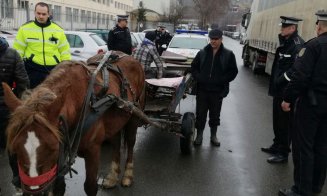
(43, 44)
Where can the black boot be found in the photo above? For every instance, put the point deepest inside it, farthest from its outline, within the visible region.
(213, 138)
(199, 137)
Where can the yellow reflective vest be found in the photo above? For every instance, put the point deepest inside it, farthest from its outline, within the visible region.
(43, 44)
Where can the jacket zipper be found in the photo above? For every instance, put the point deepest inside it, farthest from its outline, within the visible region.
(43, 47)
(211, 66)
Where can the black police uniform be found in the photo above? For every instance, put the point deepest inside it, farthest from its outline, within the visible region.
(161, 39)
(281, 71)
(120, 39)
(308, 87)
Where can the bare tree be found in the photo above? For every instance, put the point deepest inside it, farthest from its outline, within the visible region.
(175, 13)
(210, 10)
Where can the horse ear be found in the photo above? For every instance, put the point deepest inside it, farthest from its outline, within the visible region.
(10, 98)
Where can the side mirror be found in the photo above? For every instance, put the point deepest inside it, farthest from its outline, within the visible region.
(164, 46)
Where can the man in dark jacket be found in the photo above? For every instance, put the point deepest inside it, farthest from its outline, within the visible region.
(12, 71)
(290, 45)
(119, 37)
(162, 38)
(308, 86)
(212, 68)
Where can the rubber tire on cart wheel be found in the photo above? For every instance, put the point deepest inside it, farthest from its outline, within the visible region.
(188, 129)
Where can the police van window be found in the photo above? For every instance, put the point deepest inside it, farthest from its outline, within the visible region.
(70, 39)
(78, 42)
(98, 40)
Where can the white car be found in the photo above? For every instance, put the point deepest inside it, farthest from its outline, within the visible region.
(9, 36)
(187, 45)
(84, 45)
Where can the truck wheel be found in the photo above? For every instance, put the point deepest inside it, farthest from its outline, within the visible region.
(245, 57)
(255, 67)
(188, 128)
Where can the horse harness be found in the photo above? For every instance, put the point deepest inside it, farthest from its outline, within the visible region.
(94, 105)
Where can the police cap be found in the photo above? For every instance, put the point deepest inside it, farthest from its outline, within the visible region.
(321, 15)
(122, 17)
(161, 26)
(215, 34)
(287, 21)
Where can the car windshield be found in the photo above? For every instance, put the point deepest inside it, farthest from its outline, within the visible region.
(188, 42)
(98, 39)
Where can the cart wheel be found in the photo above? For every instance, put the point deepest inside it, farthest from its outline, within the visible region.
(188, 124)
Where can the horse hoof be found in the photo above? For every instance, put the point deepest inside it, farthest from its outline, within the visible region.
(127, 182)
(109, 183)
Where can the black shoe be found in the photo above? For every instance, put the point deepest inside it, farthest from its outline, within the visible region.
(287, 192)
(278, 158)
(214, 141)
(198, 140)
(271, 150)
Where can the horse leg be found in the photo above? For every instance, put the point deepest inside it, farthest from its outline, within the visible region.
(92, 158)
(111, 180)
(130, 137)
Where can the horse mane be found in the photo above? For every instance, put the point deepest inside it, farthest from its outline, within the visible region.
(34, 104)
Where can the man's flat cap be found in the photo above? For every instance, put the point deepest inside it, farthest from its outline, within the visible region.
(215, 34)
(286, 21)
(122, 17)
(321, 15)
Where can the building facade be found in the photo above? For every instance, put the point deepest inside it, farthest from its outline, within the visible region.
(70, 14)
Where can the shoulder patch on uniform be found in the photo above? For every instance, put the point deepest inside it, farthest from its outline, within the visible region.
(113, 28)
(57, 24)
(302, 51)
(27, 22)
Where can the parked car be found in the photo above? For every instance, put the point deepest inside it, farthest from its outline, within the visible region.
(103, 33)
(10, 36)
(236, 35)
(187, 45)
(84, 45)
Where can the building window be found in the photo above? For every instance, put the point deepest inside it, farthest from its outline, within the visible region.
(22, 4)
(103, 19)
(94, 17)
(68, 14)
(76, 15)
(6, 9)
(57, 13)
(83, 16)
(115, 4)
(88, 16)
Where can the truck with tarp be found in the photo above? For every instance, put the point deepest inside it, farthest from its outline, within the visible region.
(262, 28)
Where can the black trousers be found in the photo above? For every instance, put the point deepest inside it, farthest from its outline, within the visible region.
(310, 146)
(208, 101)
(36, 73)
(282, 127)
(4, 117)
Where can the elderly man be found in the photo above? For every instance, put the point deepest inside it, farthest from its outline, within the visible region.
(213, 68)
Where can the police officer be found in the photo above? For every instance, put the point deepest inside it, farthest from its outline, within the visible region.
(214, 67)
(119, 37)
(162, 38)
(42, 44)
(290, 45)
(308, 86)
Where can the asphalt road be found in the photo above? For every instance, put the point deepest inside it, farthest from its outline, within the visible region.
(237, 168)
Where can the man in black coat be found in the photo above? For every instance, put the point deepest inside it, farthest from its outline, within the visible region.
(308, 86)
(290, 45)
(119, 37)
(12, 71)
(213, 68)
(162, 38)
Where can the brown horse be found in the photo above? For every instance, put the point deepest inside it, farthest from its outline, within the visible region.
(33, 131)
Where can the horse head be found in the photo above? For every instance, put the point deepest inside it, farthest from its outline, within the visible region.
(33, 138)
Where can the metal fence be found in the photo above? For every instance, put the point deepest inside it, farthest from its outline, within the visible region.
(11, 18)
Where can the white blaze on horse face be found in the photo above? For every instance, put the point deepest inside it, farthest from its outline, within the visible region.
(31, 145)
